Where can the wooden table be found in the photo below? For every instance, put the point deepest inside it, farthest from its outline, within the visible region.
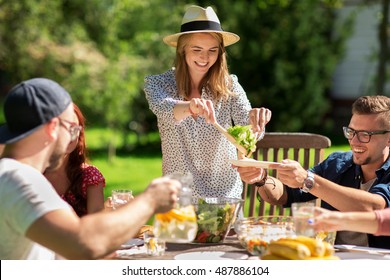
(232, 249)
(230, 246)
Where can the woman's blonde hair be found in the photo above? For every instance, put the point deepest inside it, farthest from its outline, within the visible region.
(376, 104)
(217, 79)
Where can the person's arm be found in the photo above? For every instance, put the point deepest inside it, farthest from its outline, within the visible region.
(383, 217)
(195, 107)
(97, 235)
(327, 220)
(272, 191)
(292, 174)
(95, 198)
(344, 198)
(94, 182)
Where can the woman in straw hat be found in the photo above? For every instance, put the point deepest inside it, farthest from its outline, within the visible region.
(190, 97)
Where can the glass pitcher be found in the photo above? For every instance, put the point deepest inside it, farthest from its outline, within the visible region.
(179, 224)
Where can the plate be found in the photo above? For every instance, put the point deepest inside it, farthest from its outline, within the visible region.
(134, 242)
(361, 256)
(215, 255)
(254, 163)
(354, 248)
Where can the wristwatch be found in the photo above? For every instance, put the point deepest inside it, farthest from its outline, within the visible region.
(308, 183)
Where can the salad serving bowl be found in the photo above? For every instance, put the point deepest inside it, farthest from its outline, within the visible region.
(215, 216)
(255, 233)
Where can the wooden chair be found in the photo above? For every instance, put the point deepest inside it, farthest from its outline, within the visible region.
(307, 148)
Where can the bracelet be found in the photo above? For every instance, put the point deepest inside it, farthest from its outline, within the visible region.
(263, 181)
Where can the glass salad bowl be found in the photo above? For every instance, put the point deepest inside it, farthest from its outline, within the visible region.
(255, 233)
(215, 216)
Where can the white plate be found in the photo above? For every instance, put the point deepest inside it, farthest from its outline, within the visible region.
(215, 255)
(254, 163)
(361, 256)
(354, 248)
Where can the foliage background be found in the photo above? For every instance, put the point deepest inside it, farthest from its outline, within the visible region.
(101, 50)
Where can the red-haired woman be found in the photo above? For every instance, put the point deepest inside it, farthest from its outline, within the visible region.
(77, 182)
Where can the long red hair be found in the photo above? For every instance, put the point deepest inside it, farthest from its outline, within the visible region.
(74, 166)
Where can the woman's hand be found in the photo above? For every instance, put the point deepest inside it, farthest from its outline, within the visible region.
(258, 118)
(202, 107)
(326, 220)
(251, 175)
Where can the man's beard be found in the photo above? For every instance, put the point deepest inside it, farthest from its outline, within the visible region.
(360, 162)
(56, 158)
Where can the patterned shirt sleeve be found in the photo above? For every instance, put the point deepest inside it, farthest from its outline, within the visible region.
(92, 176)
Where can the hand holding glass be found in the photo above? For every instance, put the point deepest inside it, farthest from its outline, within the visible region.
(303, 215)
(120, 198)
(179, 224)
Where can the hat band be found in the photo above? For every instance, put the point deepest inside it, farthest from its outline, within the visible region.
(201, 25)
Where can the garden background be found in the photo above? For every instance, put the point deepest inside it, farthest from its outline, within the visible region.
(101, 50)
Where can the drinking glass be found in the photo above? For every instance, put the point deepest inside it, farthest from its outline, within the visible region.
(303, 216)
(120, 198)
(153, 245)
(327, 236)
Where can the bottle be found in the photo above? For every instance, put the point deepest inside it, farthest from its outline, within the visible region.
(179, 224)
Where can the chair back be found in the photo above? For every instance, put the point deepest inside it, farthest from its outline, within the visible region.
(306, 148)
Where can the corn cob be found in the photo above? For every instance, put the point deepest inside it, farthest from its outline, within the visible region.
(289, 249)
(329, 250)
(316, 247)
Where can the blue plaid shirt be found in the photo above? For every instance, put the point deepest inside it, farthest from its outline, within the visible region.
(340, 169)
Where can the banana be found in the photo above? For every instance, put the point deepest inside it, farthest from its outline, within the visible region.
(289, 249)
(316, 247)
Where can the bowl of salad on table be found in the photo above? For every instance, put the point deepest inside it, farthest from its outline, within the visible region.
(215, 216)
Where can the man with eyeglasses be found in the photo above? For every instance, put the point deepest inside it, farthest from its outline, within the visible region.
(358, 180)
(35, 223)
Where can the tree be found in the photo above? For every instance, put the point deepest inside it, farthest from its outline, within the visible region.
(99, 50)
(384, 53)
(286, 56)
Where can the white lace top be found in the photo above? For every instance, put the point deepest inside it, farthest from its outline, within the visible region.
(194, 146)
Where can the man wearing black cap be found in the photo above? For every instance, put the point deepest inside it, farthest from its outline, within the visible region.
(35, 223)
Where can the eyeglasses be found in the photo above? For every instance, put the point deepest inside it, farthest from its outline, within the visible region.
(362, 135)
(74, 129)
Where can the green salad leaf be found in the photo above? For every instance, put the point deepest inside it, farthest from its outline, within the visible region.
(244, 136)
(213, 218)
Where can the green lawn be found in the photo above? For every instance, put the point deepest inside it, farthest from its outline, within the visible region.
(128, 172)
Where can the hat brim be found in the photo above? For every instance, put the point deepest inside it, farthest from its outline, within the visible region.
(8, 137)
(228, 37)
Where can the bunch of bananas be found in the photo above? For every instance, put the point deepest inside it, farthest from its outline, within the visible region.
(299, 248)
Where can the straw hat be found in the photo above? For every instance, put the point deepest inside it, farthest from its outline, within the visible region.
(198, 19)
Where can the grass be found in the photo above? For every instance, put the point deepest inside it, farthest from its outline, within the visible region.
(128, 172)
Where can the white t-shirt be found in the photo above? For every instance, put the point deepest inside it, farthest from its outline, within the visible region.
(25, 196)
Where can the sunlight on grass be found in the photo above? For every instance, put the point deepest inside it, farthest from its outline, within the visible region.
(128, 172)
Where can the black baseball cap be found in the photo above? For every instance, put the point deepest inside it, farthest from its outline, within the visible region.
(29, 105)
